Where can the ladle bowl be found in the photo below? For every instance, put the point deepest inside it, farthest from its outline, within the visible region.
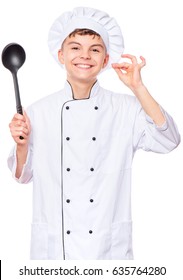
(13, 57)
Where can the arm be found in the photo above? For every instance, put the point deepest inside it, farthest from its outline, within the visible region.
(20, 126)
(129, 74)
(162, 137)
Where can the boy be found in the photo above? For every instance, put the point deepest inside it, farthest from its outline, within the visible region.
(79, 144)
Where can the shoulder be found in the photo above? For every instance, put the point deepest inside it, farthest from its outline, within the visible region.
(48, 101)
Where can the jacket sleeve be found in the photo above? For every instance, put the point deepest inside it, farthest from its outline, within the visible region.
(26, 175)
(150, 137)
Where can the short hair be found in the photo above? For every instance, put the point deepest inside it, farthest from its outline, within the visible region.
(83, 31)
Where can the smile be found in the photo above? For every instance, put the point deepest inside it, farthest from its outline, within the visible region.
(83, 66)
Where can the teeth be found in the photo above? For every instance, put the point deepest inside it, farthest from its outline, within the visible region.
(83, 66)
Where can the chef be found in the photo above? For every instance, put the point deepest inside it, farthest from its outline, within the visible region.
(79, 143)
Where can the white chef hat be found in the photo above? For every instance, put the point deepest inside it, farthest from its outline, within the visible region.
(96, 20)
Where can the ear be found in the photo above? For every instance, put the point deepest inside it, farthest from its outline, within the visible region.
(61, 56)
(106, 60)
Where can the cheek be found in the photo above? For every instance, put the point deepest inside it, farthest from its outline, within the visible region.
(69, 57)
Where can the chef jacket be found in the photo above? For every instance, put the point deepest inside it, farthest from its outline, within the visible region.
(80, 159)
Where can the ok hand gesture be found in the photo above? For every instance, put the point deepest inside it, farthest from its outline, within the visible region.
(129, 72)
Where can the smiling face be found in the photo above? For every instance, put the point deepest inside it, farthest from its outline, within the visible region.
(83, 56)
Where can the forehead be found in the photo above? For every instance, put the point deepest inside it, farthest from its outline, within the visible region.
(84, 40)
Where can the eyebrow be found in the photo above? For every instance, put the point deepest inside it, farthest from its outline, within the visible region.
(94, 45)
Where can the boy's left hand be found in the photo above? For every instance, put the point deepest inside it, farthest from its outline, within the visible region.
(129, 73)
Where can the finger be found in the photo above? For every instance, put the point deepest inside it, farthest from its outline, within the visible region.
(20, 120)
(121, 65)
(115, 65)
(24, 113)
(18, 123)
(19, 132)
(131, 57)
(143, 61)
(119, 72)
(20, 129)
(27, 119)
(18, 117)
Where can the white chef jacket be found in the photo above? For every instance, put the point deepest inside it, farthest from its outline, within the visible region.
(80, 158)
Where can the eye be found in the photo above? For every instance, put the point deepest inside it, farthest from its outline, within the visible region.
(95, 50)
(75, 48)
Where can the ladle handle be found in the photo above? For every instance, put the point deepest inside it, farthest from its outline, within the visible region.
(17, 96)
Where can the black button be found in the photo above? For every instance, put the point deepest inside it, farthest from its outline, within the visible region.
(92, 169)
(96, 108)
(68, 232)
(67, 138)
(90, 231)
(91, 200)
(68, 169)
(94, 138)
(67, 107)
(68, 200)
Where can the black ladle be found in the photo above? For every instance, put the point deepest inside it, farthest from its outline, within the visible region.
(13, 57)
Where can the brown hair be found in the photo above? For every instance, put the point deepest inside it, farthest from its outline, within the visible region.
(83, 31)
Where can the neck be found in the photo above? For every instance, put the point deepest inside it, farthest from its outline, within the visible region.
(81, 90)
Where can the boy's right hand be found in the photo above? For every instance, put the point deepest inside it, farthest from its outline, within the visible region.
(20, 126)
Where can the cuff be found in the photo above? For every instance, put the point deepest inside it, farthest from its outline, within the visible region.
(164, 126)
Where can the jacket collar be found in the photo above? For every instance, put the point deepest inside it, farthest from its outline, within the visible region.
(69, 92)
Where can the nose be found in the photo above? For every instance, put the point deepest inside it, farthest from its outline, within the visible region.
(85, 54)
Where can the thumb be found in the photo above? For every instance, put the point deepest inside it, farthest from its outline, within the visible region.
(26, 119)
(118, 72)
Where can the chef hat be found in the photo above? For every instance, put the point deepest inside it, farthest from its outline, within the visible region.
(89, 18)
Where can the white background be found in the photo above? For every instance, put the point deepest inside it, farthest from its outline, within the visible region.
(151, 28)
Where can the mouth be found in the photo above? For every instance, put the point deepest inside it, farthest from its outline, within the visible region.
(83, 66)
